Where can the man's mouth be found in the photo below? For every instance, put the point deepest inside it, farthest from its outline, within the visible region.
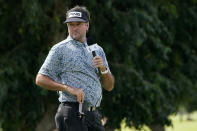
(75, 33)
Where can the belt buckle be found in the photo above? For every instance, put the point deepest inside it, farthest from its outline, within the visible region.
(91, 108)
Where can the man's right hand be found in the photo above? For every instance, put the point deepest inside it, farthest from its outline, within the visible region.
(77, 92)
(46, 82)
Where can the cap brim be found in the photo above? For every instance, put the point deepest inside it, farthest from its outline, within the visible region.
(74, 20)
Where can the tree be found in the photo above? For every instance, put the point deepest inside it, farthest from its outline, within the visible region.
(150, 55)
(150, 46)
(24, 41)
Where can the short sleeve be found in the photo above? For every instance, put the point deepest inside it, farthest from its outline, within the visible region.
(52, 64)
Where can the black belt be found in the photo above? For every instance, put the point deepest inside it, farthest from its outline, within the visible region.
(85, 108)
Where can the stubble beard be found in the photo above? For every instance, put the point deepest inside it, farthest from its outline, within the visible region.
(77, 36)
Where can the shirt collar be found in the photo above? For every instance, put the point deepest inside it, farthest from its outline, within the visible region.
(69, 38)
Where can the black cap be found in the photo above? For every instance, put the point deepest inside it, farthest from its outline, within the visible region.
(76, 16)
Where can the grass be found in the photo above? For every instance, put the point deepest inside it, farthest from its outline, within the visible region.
(184, 125)
(178, 125)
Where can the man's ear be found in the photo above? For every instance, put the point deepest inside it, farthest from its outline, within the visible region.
(87, 24)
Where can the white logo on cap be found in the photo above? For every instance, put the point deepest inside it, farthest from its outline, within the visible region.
(74, 14)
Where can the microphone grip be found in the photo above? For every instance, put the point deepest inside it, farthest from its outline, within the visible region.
(94, 54)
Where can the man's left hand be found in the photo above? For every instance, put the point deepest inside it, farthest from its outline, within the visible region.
(98, 63)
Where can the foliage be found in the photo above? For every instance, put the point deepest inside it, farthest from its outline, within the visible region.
(23, 34)
(152, 52)
(150, 45)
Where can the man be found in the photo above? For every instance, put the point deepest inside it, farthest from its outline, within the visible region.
(70, 69)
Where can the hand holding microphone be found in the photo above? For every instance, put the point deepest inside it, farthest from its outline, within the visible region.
(98, 63)
(97, 60)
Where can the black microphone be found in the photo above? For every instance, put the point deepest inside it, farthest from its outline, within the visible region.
(90, 41)
(93, 53)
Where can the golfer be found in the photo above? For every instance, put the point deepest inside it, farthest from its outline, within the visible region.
(72, 70)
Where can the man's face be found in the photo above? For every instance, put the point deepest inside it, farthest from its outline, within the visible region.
(77, 30)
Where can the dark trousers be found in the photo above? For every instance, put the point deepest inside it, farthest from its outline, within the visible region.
(67, 118)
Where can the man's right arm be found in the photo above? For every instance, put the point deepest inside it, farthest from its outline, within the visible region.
(46, 82)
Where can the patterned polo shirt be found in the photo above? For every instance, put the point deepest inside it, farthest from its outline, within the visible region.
(70, 63)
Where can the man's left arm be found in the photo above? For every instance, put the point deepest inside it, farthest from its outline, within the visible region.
(107, 80)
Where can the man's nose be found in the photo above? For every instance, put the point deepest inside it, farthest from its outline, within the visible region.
(75, 27)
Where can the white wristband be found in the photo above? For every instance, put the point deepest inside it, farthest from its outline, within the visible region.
(104, 72)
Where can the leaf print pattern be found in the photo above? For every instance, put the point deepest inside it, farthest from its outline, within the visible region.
(69, 63)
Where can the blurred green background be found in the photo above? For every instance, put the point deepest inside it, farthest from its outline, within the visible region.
(151, 48)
